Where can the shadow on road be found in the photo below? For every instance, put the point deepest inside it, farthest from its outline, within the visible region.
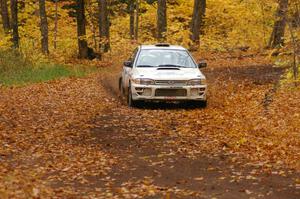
(169, 105)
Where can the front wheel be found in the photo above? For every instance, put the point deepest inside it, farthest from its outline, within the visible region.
(122, 94)
(130, 101)
(199, 104)
(203, 104)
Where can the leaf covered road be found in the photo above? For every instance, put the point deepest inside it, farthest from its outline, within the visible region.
(73, 138)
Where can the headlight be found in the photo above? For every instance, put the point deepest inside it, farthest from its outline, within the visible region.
(143, 81)
(194, 82)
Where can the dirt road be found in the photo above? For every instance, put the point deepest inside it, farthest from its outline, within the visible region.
(73, 138)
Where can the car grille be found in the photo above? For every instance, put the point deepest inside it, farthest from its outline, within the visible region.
(171, 82)
(170, 92)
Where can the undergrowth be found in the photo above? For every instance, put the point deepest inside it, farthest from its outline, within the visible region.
(15, 69)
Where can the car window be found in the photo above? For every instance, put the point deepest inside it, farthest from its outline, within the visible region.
(157, 57)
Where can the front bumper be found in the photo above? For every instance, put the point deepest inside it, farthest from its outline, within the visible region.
(156, 93)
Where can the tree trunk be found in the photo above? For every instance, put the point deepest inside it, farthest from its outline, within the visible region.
(277, 36)
(262, 5)
(297, 16)
(137, 12)
(161, 20)
(14, 23)
(55, 24)
(295, 56)
(197, 20)
(44, 27)
(131, 19)
(81, 31)
(91, 16)
(5, 16)
(103, 26)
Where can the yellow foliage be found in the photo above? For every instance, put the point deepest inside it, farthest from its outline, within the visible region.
(229, 24)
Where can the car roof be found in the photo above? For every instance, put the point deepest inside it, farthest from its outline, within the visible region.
(163, 47)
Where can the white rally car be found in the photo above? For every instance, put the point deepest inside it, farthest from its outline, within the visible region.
(162, 72)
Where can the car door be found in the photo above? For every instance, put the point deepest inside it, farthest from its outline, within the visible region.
(127, 71)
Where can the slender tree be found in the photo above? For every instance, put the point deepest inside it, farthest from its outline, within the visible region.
(93, 21)
(298, 14)
(103, 26)
(277, 36)
(81, 30)
(262, 6)
(5, 16)
(14, 23)
(137, 12)
(197, 20)
(131, 19)
(55, 24)
(44, 27)
(295, 57)
(161, 20)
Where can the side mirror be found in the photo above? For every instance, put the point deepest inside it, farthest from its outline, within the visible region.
(202, 64)
(128, 64)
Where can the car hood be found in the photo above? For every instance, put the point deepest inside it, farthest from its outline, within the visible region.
(168, 73)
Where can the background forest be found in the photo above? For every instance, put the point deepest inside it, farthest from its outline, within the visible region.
(64, 29)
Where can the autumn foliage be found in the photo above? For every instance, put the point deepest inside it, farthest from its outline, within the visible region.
(65, 132)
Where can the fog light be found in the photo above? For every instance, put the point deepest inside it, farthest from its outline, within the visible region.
(194, 92)
(147, 92)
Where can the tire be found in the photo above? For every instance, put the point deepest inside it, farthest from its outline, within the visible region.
(122, 94)
(198, 104)
(120, 86)
(121, 90)
(203, 104)
(130, 101)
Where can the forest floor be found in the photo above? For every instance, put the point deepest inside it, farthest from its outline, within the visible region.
(74, 138)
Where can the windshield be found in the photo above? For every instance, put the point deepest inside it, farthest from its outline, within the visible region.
(165, 58)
